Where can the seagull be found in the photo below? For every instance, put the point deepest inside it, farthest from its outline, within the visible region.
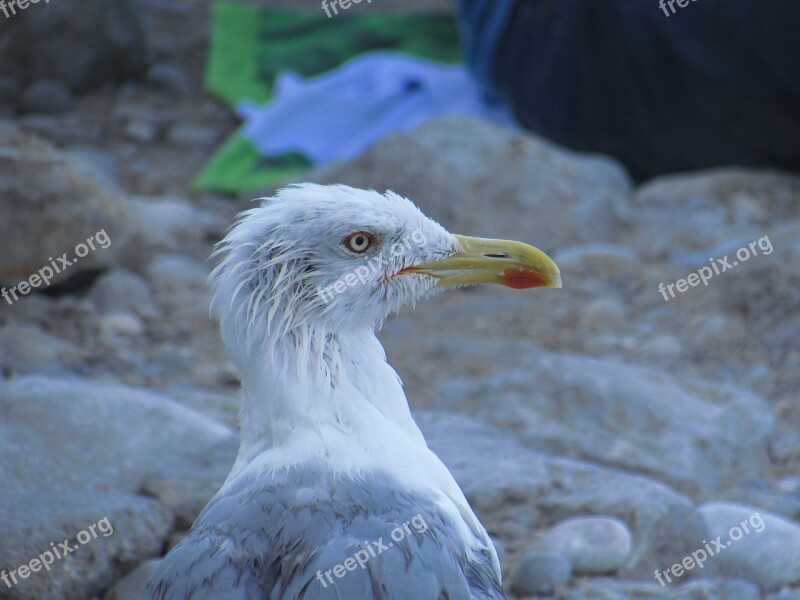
(334, 493)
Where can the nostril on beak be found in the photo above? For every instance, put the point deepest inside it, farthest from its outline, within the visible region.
(496, 255)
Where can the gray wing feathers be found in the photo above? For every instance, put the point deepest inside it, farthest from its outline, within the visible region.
(282, 540)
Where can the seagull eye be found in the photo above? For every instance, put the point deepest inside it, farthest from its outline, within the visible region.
(360, 241)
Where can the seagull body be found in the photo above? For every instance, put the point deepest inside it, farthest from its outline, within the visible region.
(334, 493)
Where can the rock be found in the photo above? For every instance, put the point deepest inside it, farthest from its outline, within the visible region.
(610, 589)
(119, 290)
(515, 490)
(767, 551)
(766, 289)
(26, 349)
(789, 485)
(660, 349)
(106, 532)
(63, 204)
(606, 261)
(32, 311)
(189, 135)
(168, 77)
(785, 595)
(81, 44)
(767, 496)
(54, 429)
(618, 415)
(597, 588)
(47, 96)
(181, 287)
(604, 314)
(730, 589)
(63, 130)
(478, 178)
(157, 225)
(131, 586)
(539, 573)
(220, 406)
(118, 325)
(736, 589)
(593, 545)
(685, 213)
(784, 447)
(144, 132)
(172, 273)
(186, 493)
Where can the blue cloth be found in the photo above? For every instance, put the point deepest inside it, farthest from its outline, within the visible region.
(339, 114)
(712, 84)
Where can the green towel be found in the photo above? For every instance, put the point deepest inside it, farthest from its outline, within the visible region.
(250, 47)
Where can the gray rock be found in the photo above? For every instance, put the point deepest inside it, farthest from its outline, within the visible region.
(107, 532)
(731, 589)
(26, 349)
(604, 314)
(603, 588)
(116, 327)
(50, 197)
(515, 490)
(131, 587)
(618, 415)
(459, 170)
(119, 290)
(217, 405)
(53, 431)
(606, 261)
(593, 545)
(785, 595)
(540, 573)
(187, 491)
(82, 43)
(46, 96)
(144, 132)
(181, 288)
(685, 213)
(612, 589)
(168, 77)
(765, 292)
(769, 555)
(736, 589)
(189, 135)
(157, 225)
(698, 590)
(769, 497)
(660, 349)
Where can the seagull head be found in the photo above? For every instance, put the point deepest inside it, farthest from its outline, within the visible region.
(338, 258)
(342, 259)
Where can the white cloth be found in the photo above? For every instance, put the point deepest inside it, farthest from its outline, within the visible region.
(339, 114)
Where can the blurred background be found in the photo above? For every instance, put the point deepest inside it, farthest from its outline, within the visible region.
(602, 432)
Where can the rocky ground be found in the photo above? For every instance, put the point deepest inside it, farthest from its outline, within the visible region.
(600, 431)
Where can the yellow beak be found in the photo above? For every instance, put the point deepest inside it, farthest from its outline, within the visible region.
(512, 264)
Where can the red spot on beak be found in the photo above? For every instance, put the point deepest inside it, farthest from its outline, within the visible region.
(523, 278)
